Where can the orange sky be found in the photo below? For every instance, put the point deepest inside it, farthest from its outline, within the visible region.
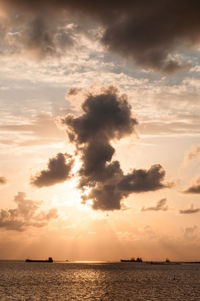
(83, 113)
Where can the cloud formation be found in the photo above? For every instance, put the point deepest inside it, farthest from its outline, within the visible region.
(192, 154)
(25, 215)
(34, 32)
(140, 180)
(41, 129)
(190, 210)
(58, 171)
(191, 233)
(152, 34)
(160, 206)
(3, 181)
(194, 188)
(107, 117)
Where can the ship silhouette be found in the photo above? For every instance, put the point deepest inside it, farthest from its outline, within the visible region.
(50, 259)
(139, 259)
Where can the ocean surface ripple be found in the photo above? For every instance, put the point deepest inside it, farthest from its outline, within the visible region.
(98, 281)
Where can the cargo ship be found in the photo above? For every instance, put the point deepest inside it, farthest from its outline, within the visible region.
(50, 259)
(139, 259)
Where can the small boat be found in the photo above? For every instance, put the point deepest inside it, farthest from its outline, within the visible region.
(50, 259)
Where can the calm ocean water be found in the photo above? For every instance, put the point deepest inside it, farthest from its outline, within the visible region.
(98, 281)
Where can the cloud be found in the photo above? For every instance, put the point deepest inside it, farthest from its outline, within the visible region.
(192, 154)
(191, 233)
(73, 91)
(161, 206)
(190, 210)
(152, 34)
(140, 180)
(34, 33)
(194, 188)
(25, 215)
(59, 169)
(3, 181)
(43, 38)
(41, 130)
(107, 117)
(165, 126)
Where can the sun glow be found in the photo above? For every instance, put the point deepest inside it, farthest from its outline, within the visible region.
(68, 196)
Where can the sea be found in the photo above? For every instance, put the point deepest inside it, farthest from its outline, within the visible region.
(99, 281)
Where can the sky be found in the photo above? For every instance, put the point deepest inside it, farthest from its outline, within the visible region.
(99, 129)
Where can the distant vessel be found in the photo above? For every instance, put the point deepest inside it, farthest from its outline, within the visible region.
(35, 260)
(127, 260)
(139, 259)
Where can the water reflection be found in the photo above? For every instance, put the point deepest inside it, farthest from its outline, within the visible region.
(98, 281)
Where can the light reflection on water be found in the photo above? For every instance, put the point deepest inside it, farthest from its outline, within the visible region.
(99, 281)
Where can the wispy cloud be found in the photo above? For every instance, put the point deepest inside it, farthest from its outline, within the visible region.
(160, 206)
(191, 233)
(25, 215)
(192, 154)
(40, 130)
(194, 187)
(3, 180)
(190, 210)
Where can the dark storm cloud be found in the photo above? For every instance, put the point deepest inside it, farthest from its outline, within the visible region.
(25, 215)
(58, 171)
(194, 188)
(151, 33)
(3, 181)
(161, 205)
(190, 210)
(106, 117)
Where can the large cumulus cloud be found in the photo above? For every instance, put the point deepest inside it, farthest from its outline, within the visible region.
(151, 33)
(107, 117)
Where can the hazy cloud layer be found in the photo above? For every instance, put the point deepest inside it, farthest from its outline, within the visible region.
(194, 187)
(151, 33)
(106, 117)
(58, 170)
(160, 206)
(191, 233)
(37, 34)
(25, 215)
(190, 210)
(3, 181)
(192, 154)
(40, 130)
